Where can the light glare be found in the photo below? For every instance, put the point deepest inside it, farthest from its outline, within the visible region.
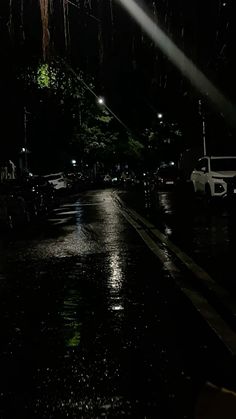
(101, 101)
(180, 60)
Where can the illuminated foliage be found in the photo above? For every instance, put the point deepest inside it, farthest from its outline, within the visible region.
(43, 76)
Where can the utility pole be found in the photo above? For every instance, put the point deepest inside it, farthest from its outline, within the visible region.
(201, 113)
(25, 149)
(25, 139)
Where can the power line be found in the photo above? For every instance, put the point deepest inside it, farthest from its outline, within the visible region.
(96, 96)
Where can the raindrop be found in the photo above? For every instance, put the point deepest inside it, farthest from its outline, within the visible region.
(10, 21)
(22, 18)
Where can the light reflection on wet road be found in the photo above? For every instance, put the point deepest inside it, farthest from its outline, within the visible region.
(91, 326)
(206, 233)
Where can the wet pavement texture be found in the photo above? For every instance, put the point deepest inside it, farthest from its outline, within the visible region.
(206, 232)
(92, 326)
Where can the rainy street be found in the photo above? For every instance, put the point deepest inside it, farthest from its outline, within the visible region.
(206, 232)
(94, 324)
(117, 209)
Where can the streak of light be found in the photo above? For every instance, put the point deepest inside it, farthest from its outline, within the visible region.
(95, 95)
(180, 60)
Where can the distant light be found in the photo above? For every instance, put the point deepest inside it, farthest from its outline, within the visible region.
(224, 4)
(160, 115)
(31, 174)
(101, 101)
(172, 163)
(73, 161)
(23, 149)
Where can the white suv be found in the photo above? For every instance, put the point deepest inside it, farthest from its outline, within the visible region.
(215, 176)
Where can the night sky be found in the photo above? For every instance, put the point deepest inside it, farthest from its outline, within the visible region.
(98, 37)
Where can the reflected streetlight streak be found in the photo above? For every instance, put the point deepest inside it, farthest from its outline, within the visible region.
(180, 60)
(116, 268)
(116, 276)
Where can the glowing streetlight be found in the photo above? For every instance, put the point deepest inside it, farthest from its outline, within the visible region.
(101, 101)
(160, 115)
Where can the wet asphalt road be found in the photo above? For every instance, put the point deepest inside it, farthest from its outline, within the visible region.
(92, 325)
(205, 232)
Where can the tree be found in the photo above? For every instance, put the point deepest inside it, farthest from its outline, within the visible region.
(163, 142)
(68, 120)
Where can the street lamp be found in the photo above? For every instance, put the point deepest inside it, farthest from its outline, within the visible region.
(160, 115)
(101, 101)
(24, 159)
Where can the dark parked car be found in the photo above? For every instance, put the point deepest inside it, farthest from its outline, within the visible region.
(13, 207)
(22, 200)
(167, 177)
(43, 193)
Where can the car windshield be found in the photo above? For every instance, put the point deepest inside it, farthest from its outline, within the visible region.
(221, 165)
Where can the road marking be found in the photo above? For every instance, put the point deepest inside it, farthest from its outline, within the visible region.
(199, 272)
(163, 256)
(202, 275)
(210, 315)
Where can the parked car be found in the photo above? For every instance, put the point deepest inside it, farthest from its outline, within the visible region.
(13, 207)
(44, 193)
(167, 177)
(58, 180)
(75, 181)
(21, 200)
(215, 176)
